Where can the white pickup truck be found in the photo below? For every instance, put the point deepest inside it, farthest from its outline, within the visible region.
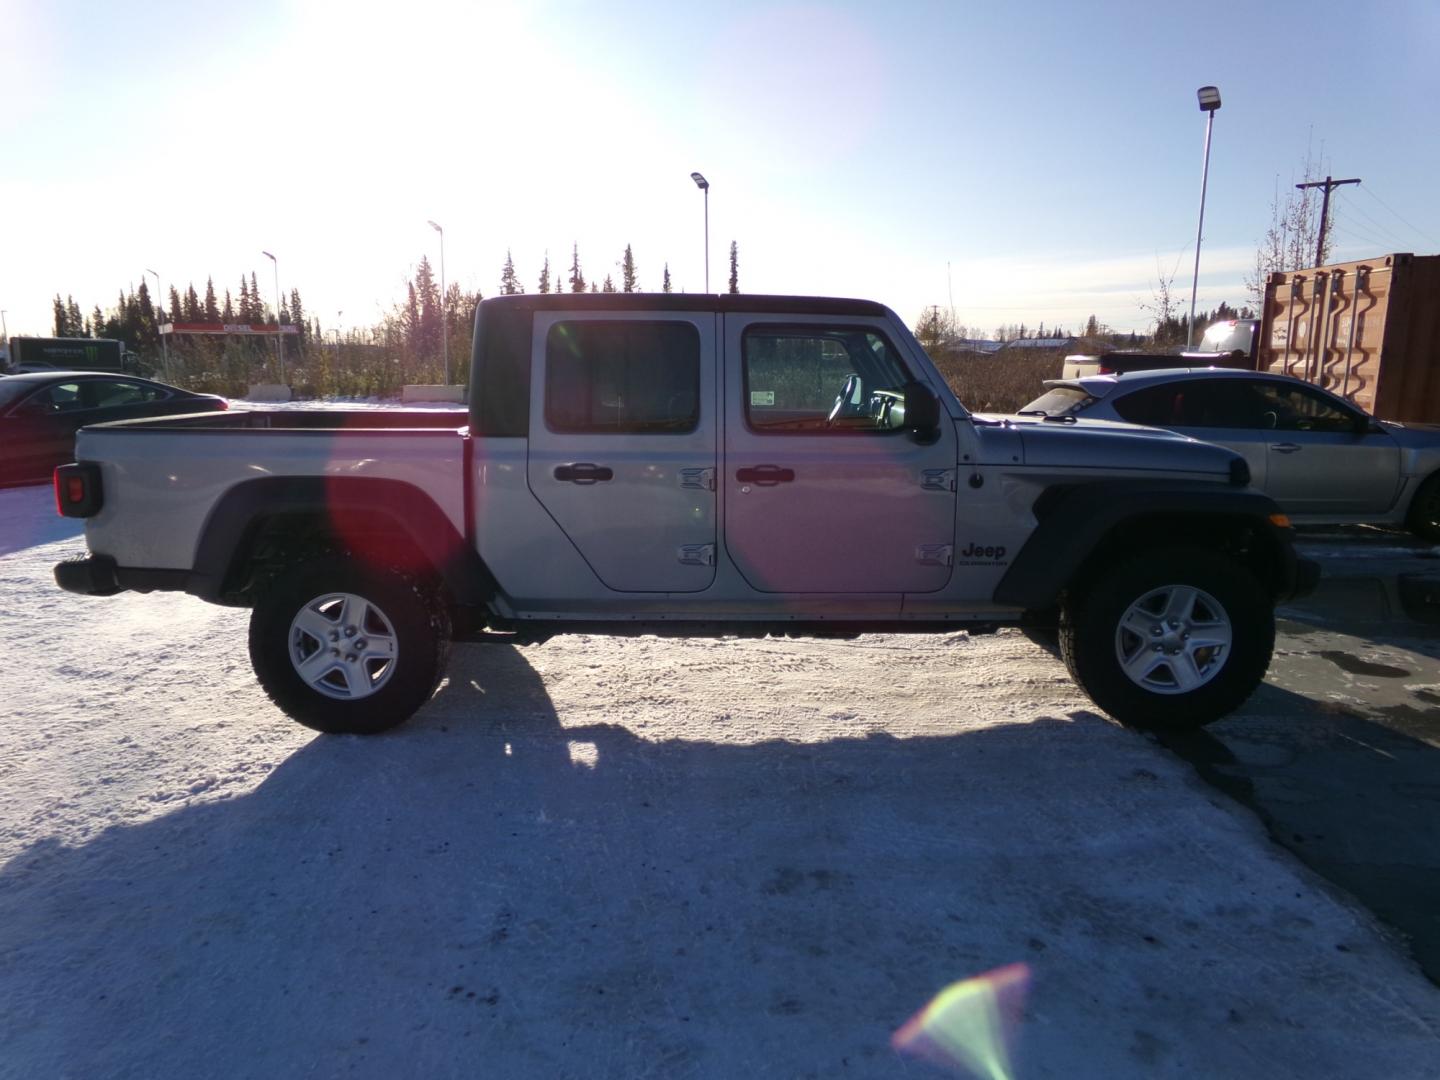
(689, 465)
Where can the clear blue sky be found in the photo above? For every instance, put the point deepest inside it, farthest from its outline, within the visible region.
(1041, 160)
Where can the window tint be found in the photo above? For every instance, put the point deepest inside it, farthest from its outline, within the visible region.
(622, 377)
(110, 394)
(63, 397)
(822, 379)
(1297, 408)
(1234, 403)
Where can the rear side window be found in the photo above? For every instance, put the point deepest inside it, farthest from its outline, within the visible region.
(622, 377)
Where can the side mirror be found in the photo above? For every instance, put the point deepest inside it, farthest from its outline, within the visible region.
(1362, 424)
(922, 412)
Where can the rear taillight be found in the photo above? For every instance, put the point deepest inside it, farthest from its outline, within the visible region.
(223, 405)
(1104, 370)
(77, 490)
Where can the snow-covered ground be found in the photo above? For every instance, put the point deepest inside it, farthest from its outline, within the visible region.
(637, 858)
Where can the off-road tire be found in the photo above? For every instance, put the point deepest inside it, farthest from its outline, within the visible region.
(421, 633)
(1424, 517)
(1090, 635)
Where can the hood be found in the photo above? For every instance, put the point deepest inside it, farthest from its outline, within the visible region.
(1414, 435)
(1107, 444)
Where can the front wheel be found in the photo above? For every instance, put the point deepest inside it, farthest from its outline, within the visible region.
(1170, 639)
(348, 649)
(1424, 516)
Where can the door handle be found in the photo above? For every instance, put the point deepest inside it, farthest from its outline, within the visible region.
(765, 475)
(1285, 447)
(582, 472)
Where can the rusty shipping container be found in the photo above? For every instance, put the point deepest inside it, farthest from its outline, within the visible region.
(1368, 330)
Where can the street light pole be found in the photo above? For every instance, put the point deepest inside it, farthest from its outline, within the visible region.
(704, 185)
(1209, 98)
(164, 348)
(279, 335)
(444, 320)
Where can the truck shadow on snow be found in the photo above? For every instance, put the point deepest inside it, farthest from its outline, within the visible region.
(489, 891)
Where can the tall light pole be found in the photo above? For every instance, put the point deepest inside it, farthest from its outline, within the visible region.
(279, 335)
(164, 348)
(1209, 98)
(444, 322)
(704, 185)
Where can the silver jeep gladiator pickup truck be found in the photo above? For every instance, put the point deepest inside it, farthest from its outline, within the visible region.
(695, 465)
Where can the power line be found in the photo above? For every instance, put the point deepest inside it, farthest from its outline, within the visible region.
(1402, 221)
(1385, 230)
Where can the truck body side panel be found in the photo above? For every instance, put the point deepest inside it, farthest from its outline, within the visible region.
(162, 484)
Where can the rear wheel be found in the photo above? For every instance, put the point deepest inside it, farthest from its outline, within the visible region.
(1424, 516)
(1170, 639)
(348, 649)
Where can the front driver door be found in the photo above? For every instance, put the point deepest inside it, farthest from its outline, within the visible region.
(826, 491)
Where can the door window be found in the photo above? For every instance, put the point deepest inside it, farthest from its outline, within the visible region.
(841, 380)
(622, 377)
(117, 393)
(63, 397)
(1298, 408)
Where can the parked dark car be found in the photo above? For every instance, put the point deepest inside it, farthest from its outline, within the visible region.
(41, 411)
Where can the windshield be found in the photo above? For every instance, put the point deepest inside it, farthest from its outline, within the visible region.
(1058, 401)
(1232, 335)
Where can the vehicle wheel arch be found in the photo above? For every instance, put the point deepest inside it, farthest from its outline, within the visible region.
(260, 527)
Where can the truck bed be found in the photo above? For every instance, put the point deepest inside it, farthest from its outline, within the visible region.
(304, 420)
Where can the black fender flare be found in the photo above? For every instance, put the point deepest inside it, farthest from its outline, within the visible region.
(353, 509)
(1076, 523)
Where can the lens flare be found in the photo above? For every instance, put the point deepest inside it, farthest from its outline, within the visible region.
(970, 1025)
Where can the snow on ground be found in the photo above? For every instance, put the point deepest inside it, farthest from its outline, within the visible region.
(640, 858)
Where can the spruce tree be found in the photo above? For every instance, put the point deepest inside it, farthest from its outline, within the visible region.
(227, 313)
(97, 322)
(665, 286)
(246, 310)
(509, 283)
(545, 275)
(74, 319)
(734, 268)
(62, 318)
(193, 310)
(627, 271)
(257, 306)
(609, 285)
(577, 279)
(212, 309)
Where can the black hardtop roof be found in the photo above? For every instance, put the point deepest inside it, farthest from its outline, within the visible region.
(722, 302)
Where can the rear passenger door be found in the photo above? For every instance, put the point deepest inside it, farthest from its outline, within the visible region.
(623, 438)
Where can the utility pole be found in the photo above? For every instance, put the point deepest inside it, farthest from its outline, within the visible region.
(1328, 185)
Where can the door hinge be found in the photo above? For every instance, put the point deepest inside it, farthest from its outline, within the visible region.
(697, 554)
(703, 479)
(935, 555)
(937, 479)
